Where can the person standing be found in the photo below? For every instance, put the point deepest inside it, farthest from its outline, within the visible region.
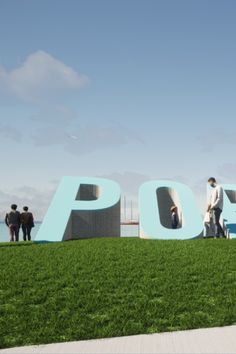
(216, 206)
(13, 221)
(174, 217)
(27, 222)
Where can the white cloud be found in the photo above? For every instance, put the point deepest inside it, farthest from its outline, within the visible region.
(216, 138)
(46, 81)
(9, 132)
(37, 200)
(40, 75)
(59, 125)
(227, 172)
(130, 183)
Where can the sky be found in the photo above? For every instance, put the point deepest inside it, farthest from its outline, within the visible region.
(127, 90)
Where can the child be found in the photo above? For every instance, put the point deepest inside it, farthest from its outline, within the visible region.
(208, 225)
(174, 217)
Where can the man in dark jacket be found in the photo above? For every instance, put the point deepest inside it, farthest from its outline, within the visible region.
(27, 222)
(13, 221)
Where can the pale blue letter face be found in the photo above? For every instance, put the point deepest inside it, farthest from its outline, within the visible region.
(82, 208)
(155, 201)
(229, 210)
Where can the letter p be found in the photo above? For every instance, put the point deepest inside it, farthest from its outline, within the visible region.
(82, 208)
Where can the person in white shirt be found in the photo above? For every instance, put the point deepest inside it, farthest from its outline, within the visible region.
(216, 206)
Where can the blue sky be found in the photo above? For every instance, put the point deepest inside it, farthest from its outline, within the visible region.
(128, 90)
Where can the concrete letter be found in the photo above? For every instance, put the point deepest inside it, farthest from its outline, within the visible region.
(155, 201)
(82, 208)
(229, 210)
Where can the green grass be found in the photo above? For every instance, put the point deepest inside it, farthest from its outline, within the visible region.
(113, 287)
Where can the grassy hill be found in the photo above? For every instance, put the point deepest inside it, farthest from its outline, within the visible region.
(113, 287)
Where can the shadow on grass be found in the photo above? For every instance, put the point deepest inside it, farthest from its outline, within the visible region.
(16, 244)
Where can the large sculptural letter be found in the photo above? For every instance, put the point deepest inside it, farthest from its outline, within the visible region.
(155, 201)
(229, 210)
(82, 208)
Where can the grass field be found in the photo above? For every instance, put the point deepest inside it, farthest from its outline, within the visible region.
(113, 287)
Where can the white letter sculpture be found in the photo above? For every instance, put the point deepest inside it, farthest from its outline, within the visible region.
(82, 208)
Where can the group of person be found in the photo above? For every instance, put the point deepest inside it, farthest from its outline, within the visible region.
(212, 225)
(16, 220)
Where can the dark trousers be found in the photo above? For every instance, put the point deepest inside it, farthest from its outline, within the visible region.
(14, 232)
(26, 232)
(216, 220)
